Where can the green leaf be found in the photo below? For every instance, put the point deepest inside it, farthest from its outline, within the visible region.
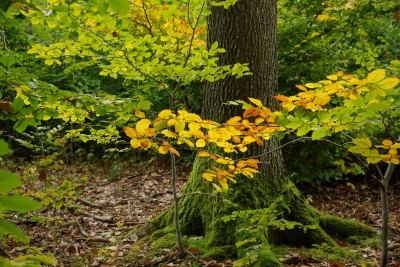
(51, 112)
(120, 6)
(320, 133)
(101, 110)
(20, 126)
(102, 7)
(144, 105)
(294, 124)
(5, 4)
(9, 228)
(4, 150)
(364, 142)
(19, 203)
(8, 181)
(282, 120)
(7, 61)
(52, 99)
(18, 104)
(304, 129)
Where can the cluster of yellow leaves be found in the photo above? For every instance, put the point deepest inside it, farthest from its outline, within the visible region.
(256, 125)
(391, 155)
(363, 146)
(339, 84)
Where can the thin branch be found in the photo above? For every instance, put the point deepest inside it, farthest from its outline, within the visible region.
(147, 18)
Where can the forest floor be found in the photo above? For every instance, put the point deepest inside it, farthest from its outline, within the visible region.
(94, 229)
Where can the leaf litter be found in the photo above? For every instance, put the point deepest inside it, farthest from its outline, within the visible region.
(140, 194)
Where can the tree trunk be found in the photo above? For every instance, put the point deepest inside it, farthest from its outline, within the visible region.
(248, 32)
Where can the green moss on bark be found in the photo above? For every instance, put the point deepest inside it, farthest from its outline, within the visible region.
(336, 226)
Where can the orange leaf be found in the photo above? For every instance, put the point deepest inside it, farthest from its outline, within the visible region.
(265, 112)
(173, 150)
(258, 141)
(130, 132)
(283, 99)
(251, 112)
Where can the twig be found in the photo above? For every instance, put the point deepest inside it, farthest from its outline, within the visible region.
(84, 201)
(95, 239)
(125, 224)
(394, 246)
(96, 217)
(81, 229)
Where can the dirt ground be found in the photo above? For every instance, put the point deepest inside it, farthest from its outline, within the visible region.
(94, 229)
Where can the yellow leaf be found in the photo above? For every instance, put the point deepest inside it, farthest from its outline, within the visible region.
(168, 133)
(234, 121)
(387, 143)
(395, 161)
(166, 114)
(163, 150)
(259, 120)
(354, 81)
(392, 151)
(248, 140)
(140, 114)
(397, 145)
(257, 102)
(194, 126)
(340, 73)
(388, 83)
(179, 125)
(49, 61)
(376, 76)
(203, 153)
(217, 187)
(208, 176)
(225, 161)
(301, 87)
(142, 125)
(200, 143)
(224, 183)
(236, 139)
(35, 20)
(130, 132)
(135, 143)
(313, 85)
(332, 77)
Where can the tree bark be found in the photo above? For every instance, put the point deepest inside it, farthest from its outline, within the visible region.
(248, 32)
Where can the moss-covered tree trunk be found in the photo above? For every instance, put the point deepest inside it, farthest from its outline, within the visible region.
(248, 32)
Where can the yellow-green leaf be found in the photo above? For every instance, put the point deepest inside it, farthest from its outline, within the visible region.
(388, 83)
(364, 142)
(376, 76)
